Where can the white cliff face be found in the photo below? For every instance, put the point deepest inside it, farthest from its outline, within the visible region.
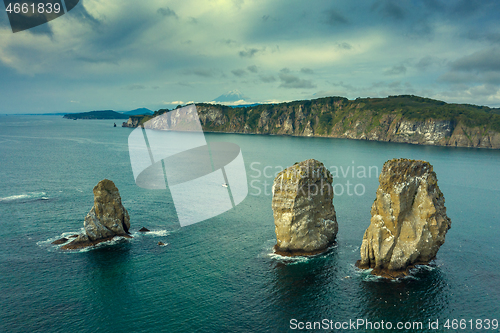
(409, 220)
(304, 216)
(426, 132)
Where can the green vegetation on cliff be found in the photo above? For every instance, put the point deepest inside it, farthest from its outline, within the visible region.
(405, 118)
(329, 111)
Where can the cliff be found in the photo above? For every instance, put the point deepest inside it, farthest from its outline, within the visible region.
(409, 221)
(406, 119)
(135, 121)
(304, 217)
(106, 219)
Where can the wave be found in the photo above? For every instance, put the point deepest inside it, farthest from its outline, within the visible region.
(26, 196)
(152, 233)
(62, 235)
(115, 240)
(297, 259)
(366, 275)
(289, 260)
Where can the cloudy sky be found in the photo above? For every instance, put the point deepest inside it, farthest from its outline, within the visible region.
(123, 54)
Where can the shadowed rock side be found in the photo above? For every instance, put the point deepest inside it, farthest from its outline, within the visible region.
(408, 223)
(107, 218)
(304, 216)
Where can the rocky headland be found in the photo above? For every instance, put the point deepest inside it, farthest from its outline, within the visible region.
(304, 215)
(404, 119)
(105, 220)
(409, 221)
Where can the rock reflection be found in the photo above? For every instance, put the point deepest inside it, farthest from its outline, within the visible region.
(303, 286)
(108, 289)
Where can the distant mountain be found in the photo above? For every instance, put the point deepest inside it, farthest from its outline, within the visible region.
(138, 112)
(230, 96)
(107, 114)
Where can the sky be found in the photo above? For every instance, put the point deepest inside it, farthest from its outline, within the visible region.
(123, 54)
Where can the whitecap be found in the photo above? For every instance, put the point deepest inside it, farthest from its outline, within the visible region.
(158, 233)
(152, 233)
(290, 260)
(115, 240)
(62, 235)
(24, 196)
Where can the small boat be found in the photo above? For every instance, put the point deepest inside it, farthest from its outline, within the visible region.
(224, 185)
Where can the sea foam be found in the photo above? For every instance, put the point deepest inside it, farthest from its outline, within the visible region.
(25, 196)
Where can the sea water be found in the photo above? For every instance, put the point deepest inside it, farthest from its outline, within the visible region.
(220, 275)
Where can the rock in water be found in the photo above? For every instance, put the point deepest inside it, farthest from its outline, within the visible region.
(59, 241)
(408, 223)
(107, 218)
(304, 216)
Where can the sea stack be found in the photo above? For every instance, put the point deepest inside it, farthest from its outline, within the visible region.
(409, 221)
(304, 215)
(107, 218)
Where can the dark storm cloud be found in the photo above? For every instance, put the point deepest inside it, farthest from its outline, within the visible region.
(135, 87)
(465, 7)
(481, 61)
(428, 61)
(248, 53)
(479, 67)
(396, 70)
(167, 12)
(334, 18)
(491, 37)
(252, 69)
(433, 5)
(267, 79)
(345, 86)
(229, 42)
(82, 15)
(201, 72)
(390, 9)
(306, 71)
(239, 72)
(345, 46)
(98, 59)
(292, 81)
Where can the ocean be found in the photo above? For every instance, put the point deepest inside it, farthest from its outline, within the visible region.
(220, 275)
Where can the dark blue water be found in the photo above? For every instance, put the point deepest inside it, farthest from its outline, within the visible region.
(220, 275)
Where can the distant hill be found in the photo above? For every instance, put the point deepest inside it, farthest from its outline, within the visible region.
(138, 112)
(107, 114)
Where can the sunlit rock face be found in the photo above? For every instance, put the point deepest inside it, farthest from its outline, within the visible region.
(304, 215)
(106, 219)
(409, 221)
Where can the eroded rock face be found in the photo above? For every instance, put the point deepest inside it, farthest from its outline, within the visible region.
(409, 221)
(106, 219)
(304, 216)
